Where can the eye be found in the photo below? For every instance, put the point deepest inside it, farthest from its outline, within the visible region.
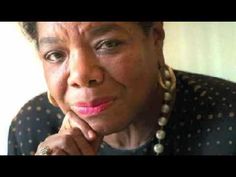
(55, 56)
(108, 45)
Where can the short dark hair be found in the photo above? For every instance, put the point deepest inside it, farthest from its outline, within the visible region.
(146, 26)
(30, 28)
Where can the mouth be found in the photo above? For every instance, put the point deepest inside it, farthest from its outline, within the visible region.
(94, 107)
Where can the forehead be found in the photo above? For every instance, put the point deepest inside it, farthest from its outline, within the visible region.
(84, 27)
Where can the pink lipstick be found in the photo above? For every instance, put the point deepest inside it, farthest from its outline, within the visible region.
(94, 107)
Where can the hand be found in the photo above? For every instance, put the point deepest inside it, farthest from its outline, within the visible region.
(75, 137)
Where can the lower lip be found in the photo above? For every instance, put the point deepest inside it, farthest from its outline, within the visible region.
(92, 111)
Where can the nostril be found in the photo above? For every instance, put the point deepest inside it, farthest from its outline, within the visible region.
(75, 85)
(92, 82)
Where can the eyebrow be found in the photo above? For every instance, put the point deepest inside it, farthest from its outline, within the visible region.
(101, 30)
(49, 40)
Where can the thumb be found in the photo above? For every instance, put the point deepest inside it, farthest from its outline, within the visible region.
(97, 142)
(66, 124)
(73, 121)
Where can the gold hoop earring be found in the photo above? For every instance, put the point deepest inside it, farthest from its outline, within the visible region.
(167, 78)
(51, 99)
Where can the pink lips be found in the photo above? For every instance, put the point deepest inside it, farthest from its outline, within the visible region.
(94, 107)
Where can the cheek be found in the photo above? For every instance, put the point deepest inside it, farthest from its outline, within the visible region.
(131, 70)
(56, 81)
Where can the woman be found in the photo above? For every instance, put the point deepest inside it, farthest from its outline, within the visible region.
(118, 97)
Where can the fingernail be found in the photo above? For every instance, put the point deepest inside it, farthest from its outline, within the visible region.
(91, 134)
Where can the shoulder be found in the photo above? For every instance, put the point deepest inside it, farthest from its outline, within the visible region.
(38, 110)
(205, 90)
(205, 114)
(34, 122)
(204, 81)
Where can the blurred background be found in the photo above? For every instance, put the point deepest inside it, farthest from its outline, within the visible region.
(199, 47)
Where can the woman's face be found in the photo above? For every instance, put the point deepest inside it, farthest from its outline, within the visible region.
(105, 72)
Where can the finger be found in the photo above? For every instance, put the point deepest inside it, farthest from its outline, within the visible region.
(82, 143)
(75, 121)
(63, 141)
(65, 124)
(87, 148)
(68, 144)
(58, 151)
(96, 143)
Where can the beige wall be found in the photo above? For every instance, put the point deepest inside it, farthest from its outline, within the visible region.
(202, 47)
(207, 48)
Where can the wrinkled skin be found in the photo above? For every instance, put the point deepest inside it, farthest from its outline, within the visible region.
(87, 61)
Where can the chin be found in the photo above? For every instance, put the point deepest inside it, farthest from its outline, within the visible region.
(104, 128)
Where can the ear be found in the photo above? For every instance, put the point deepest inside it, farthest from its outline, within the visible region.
(158, 36)
(158, 33)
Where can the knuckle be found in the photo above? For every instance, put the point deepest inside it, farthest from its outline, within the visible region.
(69, 114)
(57, 151)
(66, 138)
(74, 131)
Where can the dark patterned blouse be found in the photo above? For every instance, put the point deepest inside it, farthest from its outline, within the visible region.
(203, 121)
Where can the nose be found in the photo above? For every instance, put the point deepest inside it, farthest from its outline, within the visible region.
(85, 70)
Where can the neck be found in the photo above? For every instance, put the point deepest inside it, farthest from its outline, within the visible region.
(139, 131)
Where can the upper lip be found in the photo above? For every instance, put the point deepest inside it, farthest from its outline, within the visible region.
(95, 102)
